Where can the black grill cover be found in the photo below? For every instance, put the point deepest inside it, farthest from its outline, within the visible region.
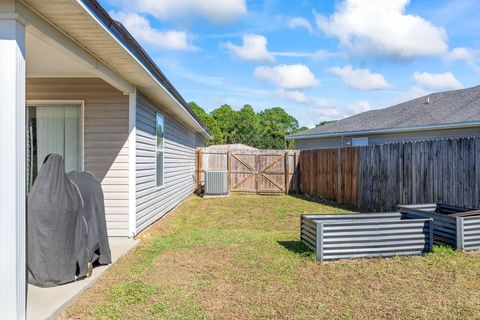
(66, 227)
(92, 238)
(52, 212)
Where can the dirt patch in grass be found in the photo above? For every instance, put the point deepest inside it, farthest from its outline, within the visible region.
(239, 257)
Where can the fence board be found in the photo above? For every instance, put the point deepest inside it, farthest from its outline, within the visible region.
(378, 177)
(253, 171)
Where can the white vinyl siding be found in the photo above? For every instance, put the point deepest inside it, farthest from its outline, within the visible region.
(179, 164)
(106, 137)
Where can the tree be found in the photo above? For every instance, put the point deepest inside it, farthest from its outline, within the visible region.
(275, 125)
(209, 122)
(226, 118)
(263, 130)
(247, 126)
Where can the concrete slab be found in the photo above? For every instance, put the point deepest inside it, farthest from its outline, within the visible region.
(48, 303)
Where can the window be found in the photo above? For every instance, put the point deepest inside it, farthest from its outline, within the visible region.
(159, 150)
(359, 142)
(53, 128)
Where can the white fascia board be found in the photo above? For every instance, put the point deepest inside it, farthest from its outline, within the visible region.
(158, 83)
(62, 42)
(391, 130)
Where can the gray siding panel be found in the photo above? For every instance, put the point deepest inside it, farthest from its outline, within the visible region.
(106, 137)
(334, 142)
(179, 164)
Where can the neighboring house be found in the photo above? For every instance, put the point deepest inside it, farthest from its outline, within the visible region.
(451, 114)
(75, 82)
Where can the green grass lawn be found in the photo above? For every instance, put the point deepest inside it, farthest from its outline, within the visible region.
(239, 258)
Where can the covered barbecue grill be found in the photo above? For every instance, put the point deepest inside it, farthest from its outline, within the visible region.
(66, 228)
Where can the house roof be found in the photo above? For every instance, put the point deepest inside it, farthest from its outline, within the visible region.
(455, 108)
(90, 26)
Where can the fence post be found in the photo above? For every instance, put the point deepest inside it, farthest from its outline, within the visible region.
(338, 177)
(199, 169)
(287, 174)
(229, 169)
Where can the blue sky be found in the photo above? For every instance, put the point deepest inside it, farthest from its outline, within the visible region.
(319, 60)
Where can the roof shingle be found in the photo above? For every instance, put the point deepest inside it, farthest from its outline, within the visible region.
(442, 108)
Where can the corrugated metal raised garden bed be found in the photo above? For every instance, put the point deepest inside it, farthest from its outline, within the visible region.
(346, 236)
(455, 226)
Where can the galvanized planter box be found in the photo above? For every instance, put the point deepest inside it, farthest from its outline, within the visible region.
(455, 226)
(346, 236)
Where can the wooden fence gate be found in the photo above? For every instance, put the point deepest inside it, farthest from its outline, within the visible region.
(259, 171)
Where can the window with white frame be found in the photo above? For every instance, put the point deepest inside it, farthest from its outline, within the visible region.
(159, 149)
(359, 142)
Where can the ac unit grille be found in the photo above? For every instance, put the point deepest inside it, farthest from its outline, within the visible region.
(216, 182)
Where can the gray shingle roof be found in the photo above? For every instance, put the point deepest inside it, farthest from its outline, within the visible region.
(443, 108)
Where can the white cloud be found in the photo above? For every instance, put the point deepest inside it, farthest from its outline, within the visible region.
(216, 11)
(323, 113)
(140, 28)
(292, 95)
(322, 55)
(299, 22)
(470, 56)
(317, 55)
(294, 76)
(254, 48)
(437, 81)
(382, 27)
(361, 79)
(357, 107)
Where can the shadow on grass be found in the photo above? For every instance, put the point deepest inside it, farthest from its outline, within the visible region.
(329, 203)
(296, 247)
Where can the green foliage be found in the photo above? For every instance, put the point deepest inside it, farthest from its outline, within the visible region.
(265, 130)
(275, 125)
(209, 122)
(226, 117)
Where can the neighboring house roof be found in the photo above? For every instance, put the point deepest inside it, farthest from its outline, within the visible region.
(450, 109)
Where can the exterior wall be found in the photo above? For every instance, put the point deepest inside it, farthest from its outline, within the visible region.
(324, 143)
(179, 164)
(106, 137)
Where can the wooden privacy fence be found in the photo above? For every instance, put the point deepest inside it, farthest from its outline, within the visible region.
(378, 177)
(252, 171)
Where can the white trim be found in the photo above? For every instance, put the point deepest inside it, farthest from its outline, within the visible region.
(81, 125)
(132, 164)
(120, 43)
(359, 142)
(12, 170)
(42, 28)
(159, 186)
(13, 16)
(390, 130)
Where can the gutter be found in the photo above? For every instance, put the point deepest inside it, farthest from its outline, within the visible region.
(458, 125)
(118, 32)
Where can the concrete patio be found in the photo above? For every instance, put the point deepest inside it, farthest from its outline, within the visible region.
(48, 303)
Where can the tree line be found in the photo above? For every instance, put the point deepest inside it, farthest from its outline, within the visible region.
(266, 129)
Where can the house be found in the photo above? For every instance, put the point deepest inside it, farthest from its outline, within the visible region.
(441, 115)
(75, 82)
